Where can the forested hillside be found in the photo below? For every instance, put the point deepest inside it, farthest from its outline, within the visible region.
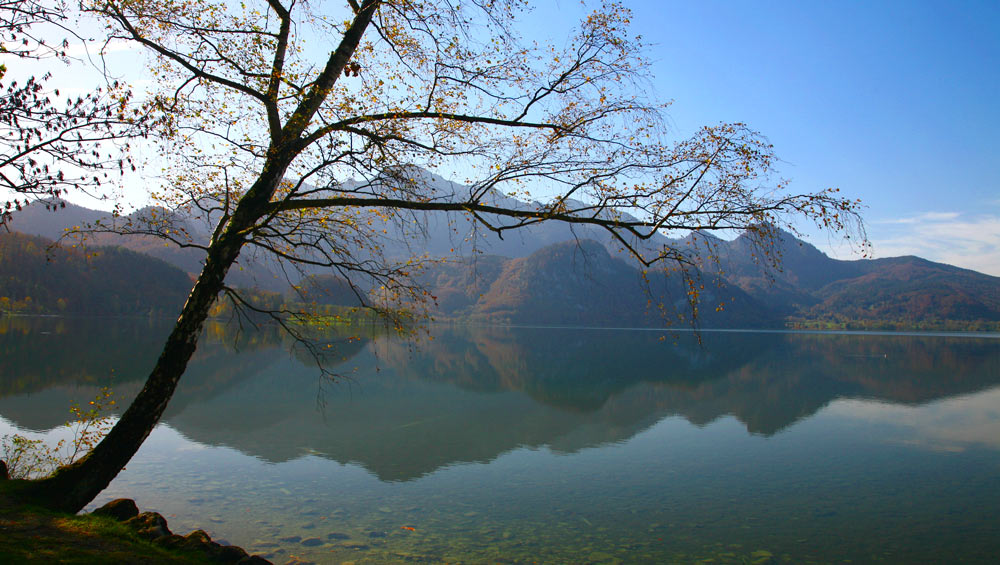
(36, 278)
(535, 279)
(579, 282)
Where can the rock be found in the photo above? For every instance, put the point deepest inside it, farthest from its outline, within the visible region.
(120, 509)
(153, 526)
(337, 536)
(172, 541)
(4, 472)
(291, 539)
(227, 553)
(253, 560)
(312, 542)
(199, 540)
(149, 525)
(198, 537)
(377, 534)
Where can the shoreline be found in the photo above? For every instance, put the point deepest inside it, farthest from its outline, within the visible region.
(116, 532)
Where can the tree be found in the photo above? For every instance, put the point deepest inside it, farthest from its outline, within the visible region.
(48, 147)
(305, 160)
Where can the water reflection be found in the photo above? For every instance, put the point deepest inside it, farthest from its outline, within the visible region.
(953, 424)
(404, 409)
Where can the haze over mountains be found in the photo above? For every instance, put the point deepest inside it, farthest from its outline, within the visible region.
(552, 273)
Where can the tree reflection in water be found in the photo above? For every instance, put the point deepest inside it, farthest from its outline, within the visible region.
(404, 409)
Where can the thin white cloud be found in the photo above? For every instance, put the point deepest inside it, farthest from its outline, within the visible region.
(963, 240)
(927, 217)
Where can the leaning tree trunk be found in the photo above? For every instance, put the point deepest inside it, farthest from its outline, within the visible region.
(73, 486)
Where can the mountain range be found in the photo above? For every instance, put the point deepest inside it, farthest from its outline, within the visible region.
(550, 273)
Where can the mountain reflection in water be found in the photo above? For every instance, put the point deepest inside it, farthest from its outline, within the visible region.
(403, 409)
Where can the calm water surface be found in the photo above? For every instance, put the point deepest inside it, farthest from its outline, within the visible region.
(523, 445)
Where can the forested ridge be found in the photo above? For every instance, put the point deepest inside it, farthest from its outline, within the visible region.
(39, 278)
(564, 283)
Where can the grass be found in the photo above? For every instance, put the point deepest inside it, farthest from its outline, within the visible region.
(29, 534)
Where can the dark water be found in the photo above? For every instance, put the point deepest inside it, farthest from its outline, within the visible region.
(523, 445)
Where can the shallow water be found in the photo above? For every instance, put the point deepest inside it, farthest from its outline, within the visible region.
(550, 445)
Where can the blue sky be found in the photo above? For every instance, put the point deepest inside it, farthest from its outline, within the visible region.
(897, 103)
(894, 102)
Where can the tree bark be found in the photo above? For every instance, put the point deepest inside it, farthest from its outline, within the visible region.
(73, 486)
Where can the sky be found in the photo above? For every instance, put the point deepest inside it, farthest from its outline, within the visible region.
(894, 102)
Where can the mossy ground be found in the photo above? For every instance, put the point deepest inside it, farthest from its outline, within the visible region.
(29, 534)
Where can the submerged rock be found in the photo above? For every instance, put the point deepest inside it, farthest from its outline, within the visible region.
(264, 544)
(253, 560)
(312, 542)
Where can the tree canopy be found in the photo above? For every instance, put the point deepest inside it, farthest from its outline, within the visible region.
(52, 141)
(299, 130)
(256, 109)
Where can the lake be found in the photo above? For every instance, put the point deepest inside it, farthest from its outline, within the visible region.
(548, 445)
